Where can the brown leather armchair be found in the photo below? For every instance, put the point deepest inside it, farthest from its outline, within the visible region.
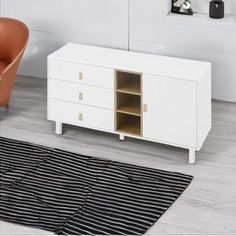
(13, 41)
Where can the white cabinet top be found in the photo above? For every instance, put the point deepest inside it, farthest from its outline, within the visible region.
(132, 61)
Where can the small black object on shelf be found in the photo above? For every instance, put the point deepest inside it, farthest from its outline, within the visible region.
(217, 9)
(181, 7)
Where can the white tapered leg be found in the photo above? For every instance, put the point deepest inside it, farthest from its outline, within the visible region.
(58, 128)
(122, 137)
(192, 156)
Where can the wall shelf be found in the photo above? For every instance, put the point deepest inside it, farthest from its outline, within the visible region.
(202, 19)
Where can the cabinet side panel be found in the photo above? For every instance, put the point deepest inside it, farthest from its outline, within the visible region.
(204, 109)
(48, 73)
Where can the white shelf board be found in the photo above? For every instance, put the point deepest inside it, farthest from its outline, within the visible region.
(202, 19)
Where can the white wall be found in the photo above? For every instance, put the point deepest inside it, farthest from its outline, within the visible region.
(105, 22)
(53, 23)
(152, 32)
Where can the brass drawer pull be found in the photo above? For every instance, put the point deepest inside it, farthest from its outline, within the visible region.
(80, 96)
(80, 76)
(80, 116)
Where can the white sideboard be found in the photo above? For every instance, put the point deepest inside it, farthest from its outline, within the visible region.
(150, 97)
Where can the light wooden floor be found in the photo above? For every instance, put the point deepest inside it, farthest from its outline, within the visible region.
(208, 206)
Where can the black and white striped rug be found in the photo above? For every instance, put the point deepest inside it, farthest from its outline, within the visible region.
(68, 193)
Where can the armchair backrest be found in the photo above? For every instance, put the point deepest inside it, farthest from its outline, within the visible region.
(13, 39)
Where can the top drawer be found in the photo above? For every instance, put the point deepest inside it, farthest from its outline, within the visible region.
(91, 75)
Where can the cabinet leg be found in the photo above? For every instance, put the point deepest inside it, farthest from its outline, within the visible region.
(192, 156)
(58, 128)
(122, 137)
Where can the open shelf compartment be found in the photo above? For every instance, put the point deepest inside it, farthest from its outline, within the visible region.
(128, 103)
(127, 82)
(128, 124)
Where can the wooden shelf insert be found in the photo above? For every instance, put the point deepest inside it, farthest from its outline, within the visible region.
(128, 111)
(129, 124)
(129, 104)
(129, 89)
(128, 82)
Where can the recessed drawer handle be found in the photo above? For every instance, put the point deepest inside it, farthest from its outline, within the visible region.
(80, 116)
(80, 96)
(80, 76)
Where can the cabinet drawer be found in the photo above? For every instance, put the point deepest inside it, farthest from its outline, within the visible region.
(82, 115)
(84, 74)
(80, 93)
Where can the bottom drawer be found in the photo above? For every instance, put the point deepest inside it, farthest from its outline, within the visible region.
(81, 115)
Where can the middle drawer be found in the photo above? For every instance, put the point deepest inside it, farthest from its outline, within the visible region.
(80, 93)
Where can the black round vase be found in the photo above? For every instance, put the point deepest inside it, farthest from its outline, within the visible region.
(217, 9)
